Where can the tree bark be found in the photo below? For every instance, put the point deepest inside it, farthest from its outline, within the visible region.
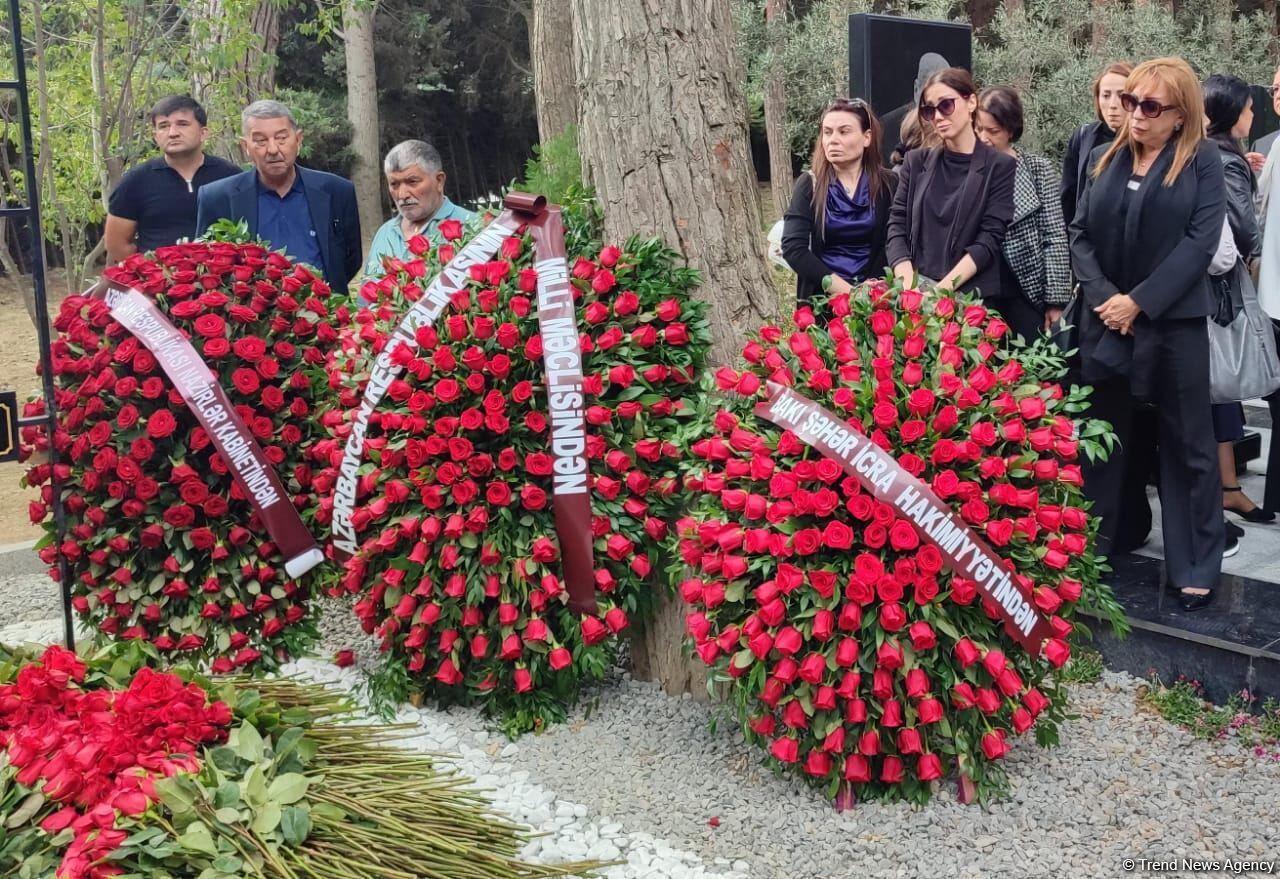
(663, 134)
(261, 63)
(362, 112)
(775, 106)
(551, 50)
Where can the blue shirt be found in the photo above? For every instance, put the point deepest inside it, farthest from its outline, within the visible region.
(850, 226)
(286, 223)
(389, 240)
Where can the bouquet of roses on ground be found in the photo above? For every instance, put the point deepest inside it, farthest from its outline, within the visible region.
(855, 654)
(459, 564)
(161, 543)
(81, 761)
(109, 768)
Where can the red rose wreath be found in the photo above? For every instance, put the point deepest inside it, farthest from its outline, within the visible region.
(853, 653)
(459, 566)
(162, 545)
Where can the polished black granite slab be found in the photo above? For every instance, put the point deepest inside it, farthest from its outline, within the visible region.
(1232, 645)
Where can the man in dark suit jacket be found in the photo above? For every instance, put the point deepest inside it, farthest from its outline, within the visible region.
(311, 215)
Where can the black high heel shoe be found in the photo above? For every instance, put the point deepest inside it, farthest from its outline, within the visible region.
(1257, 515)
(1192, 602)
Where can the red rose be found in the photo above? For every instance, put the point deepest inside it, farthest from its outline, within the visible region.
(593, 631)
(161, 424)
(889, 656)
(1057, 652)
(994, 746)
(246, 380)
(903, 536)
(922, 636)
(929, 710)
(210, 325)
(929, 767)
(785, 750)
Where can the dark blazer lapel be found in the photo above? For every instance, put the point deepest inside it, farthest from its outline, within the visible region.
(318, 202)
(244, 199)
(967, 208)
(919, 187)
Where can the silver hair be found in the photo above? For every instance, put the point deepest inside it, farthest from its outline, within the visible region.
(412, 152)
(267, 110)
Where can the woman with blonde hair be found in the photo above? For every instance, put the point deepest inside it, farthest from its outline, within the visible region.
(1144, 232)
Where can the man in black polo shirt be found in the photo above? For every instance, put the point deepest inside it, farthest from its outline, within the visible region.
(154, 204)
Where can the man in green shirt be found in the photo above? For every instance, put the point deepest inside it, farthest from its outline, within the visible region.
(415, 180)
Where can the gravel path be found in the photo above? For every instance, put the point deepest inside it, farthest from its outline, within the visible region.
(639, 772)
(26, 597)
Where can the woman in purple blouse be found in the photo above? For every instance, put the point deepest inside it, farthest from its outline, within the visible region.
(834, 231)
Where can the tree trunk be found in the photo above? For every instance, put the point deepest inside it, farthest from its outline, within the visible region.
(775, 106)
(362, 112)
(551, 49)
(227, 84)
(260, 63)
(663, 133)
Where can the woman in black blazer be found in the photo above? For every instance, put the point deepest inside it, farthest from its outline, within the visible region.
(1145, 230)
(1106, 106)
(834, 231)
(953, 202)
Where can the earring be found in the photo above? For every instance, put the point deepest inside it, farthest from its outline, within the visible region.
(1177, 127)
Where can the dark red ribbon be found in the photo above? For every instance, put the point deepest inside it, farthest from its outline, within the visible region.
(206, 399)
(562, 362)
(965, 553)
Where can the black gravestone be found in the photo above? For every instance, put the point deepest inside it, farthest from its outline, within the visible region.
(887, 54)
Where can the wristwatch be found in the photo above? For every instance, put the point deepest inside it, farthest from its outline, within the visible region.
(827, 281)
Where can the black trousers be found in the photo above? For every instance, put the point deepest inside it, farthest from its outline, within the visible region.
(1190, 485)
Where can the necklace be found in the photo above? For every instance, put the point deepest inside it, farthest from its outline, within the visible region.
(849, 190)
(1143, 165)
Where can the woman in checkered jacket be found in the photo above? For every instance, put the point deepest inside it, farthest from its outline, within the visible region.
(1036, 262)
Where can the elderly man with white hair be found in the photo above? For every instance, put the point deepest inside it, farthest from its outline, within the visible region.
(311, 215)
(415, 180)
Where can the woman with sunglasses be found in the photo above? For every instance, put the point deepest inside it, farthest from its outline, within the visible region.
(1037, 267)
(953, 201)
(1147, 225)
(1106, 106)
(1228, 110)
(834, 231)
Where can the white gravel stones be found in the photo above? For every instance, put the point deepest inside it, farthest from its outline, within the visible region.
(571, 833)
(28, 597)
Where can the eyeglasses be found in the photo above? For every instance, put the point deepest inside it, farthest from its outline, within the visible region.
(1272, 89)
(1149, 108)
(946, 107)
